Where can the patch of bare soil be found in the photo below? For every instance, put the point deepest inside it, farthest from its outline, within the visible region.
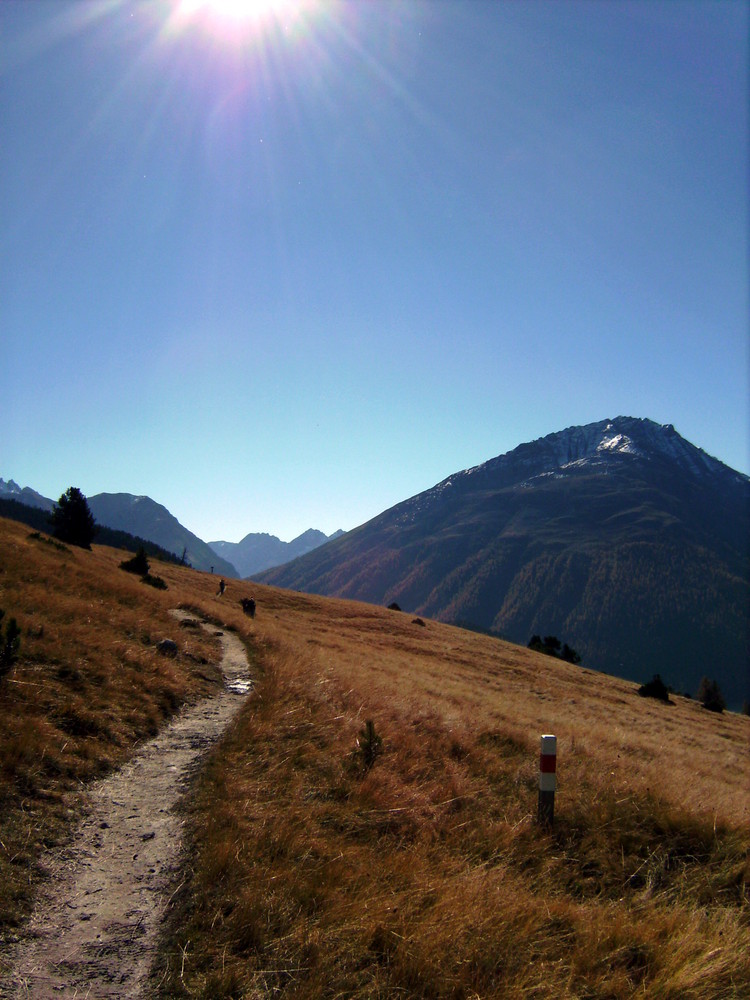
(94, 931)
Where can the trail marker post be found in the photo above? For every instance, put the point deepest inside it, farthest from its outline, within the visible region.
(547, 781)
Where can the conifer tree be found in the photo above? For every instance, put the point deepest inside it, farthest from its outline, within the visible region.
(72, 521)
(710, 696)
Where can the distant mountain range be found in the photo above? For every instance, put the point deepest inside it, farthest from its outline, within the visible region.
(25, 495)
(260, 551)
(620, 537)
(144, 518)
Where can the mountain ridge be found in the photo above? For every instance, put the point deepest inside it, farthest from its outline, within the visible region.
(603, 438)
(25, 495)
(142, 517)
(620, 536)
(259, 550)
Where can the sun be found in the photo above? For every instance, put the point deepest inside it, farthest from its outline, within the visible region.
(233, 17)
(234, 10)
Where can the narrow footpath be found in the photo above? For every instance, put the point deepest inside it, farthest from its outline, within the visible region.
(95, 928)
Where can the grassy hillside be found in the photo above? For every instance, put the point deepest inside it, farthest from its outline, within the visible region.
(88, 686)
(308, 874)
(638, 562)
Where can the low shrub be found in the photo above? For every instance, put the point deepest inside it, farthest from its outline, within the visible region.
(37, 536)
(551, 646)
(655, 688)
(138, 564)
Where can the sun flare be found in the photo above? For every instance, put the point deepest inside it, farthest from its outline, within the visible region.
(234, 17)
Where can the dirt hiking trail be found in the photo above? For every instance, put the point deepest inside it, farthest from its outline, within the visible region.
(95, 927)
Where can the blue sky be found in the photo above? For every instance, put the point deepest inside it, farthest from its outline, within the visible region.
(286, 271)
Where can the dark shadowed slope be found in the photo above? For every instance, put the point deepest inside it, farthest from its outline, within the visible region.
(140, 515)
(621, 537)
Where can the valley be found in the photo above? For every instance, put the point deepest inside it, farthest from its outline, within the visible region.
(621, 536)
(307, 872)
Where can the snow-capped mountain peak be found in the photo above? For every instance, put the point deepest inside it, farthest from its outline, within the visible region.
(594, 446)
(631, 437)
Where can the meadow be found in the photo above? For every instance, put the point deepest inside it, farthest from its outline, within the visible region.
(311, 872)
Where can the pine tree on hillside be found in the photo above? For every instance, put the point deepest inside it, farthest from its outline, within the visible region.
(72, 521)
(710, 696)
(569, 654)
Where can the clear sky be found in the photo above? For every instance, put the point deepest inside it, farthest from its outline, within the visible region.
(286, 270)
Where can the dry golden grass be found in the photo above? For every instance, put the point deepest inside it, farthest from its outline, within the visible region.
(88, 686)
(677, 750)
(426, 875)
(308, 875)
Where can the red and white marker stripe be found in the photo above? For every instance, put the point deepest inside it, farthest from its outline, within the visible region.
(547, 780)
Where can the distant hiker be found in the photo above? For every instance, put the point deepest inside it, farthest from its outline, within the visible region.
(222, 588)
(248, 606)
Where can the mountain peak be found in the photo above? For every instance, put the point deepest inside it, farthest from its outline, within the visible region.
(260, 551)
(587, 446)
(619, 436)
(10, 490)
(311, 535)
(587, 532)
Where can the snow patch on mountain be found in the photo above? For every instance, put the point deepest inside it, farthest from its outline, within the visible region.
(590, 448)
(618, 443)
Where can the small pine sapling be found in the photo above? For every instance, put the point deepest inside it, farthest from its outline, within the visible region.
(369, 744)
(10, 642)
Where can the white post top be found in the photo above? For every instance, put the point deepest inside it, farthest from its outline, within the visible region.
(549, 744)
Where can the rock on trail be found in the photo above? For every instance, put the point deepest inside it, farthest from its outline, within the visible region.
(95, 927)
